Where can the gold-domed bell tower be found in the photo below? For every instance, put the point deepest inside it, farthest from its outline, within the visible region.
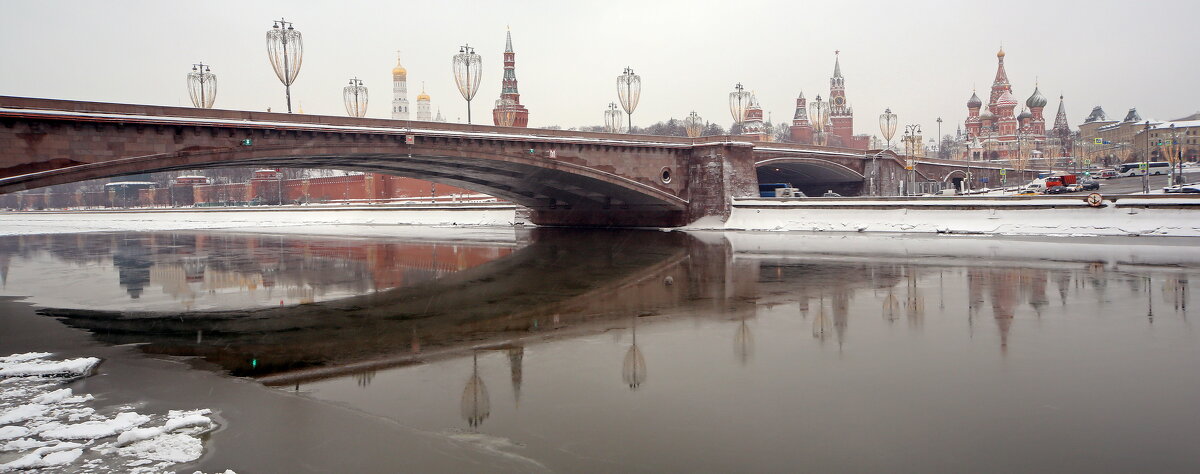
(399, 91)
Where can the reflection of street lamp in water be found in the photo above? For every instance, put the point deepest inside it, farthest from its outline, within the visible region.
(821, 323)
(633, 371)
(743, 342)
(475, 403)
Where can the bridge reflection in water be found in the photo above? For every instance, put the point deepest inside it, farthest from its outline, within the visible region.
(716, 339)
(388, 303)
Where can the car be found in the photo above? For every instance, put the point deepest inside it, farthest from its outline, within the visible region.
(1089, 185)
(1107, 174)
(1183, 189)
(1056, 189)
(1074, 187)
(831, 194)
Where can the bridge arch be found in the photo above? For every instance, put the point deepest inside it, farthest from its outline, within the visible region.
(534, 181)
(812, 176)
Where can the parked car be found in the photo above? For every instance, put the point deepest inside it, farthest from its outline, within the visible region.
(1056, 189)
(1089, 185)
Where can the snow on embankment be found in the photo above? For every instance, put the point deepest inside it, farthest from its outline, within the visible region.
(54, 222)
(1002, 216)
(43, 425)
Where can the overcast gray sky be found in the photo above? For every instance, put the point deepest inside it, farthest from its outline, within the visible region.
(921, 58)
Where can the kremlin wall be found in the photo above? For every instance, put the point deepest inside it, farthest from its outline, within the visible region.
(264, 189)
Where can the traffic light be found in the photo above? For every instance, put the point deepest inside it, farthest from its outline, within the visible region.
(247, 141)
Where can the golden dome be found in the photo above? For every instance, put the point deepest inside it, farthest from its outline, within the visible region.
(1001, 53)
(422, 96)
(399, 71)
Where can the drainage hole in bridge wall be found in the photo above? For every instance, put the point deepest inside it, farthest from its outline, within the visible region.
(665, 176)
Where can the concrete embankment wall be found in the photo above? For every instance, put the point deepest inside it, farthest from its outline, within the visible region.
(1165, 215)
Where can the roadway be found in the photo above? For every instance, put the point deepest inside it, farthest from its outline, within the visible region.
(1133, 184)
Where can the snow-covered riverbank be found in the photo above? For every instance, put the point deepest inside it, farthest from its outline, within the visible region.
(286, 219)
(1064, 216)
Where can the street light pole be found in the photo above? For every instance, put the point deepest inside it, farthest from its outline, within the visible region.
(911, 135)
(939, 137)
(285, 49)
(467, 69)
(1146, 162)
(887, 126)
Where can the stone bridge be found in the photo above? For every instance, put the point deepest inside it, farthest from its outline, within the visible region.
(565, 177)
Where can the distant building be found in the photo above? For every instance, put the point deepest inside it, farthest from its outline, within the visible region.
(508, 89)
(423, 107)
(801, 130)
(753, 127)
(998, 133)
(399, 91)
(840, 127)
(841, 114)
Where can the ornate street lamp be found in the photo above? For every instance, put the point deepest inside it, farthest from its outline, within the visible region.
(693, 124)
(739, 99)
(939, 137)
(912, 136)
(468, 67)
(506, 112)
(613, 118)
(202, 86)
(629, 90)
(887, 127)
(476, 406)
(355, 98)
(818, 114)
(285, 49)
(633, 369)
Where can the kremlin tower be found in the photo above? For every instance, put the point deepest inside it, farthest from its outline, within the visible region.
(801, 130)
(840, 126)
(753, 126)
(423, 110)
(399, 91)
(508, 88)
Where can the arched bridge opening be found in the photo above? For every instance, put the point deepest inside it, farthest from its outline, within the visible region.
(812, 176)
(560, 192)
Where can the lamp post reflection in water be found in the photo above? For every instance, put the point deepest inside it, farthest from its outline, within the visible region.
(475, 405)
(743, 342)
(821, 323)
(633, 371)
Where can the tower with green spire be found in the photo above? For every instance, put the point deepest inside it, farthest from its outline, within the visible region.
(508, 88)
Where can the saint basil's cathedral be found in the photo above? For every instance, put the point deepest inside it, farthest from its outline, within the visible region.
(996, 133)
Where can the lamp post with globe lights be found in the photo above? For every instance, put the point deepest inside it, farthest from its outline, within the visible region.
(355, 98)
(285, 49)
(202, 86)
(912, 136)
(739, 99)
(506, 112)
(612, 118)
(818, 114)
(887, 127)
(468, 67)
(629, 90)
(693, 125)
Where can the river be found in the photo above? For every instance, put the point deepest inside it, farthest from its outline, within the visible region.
(633, 351)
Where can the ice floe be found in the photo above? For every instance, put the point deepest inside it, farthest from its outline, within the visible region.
(45, 425)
